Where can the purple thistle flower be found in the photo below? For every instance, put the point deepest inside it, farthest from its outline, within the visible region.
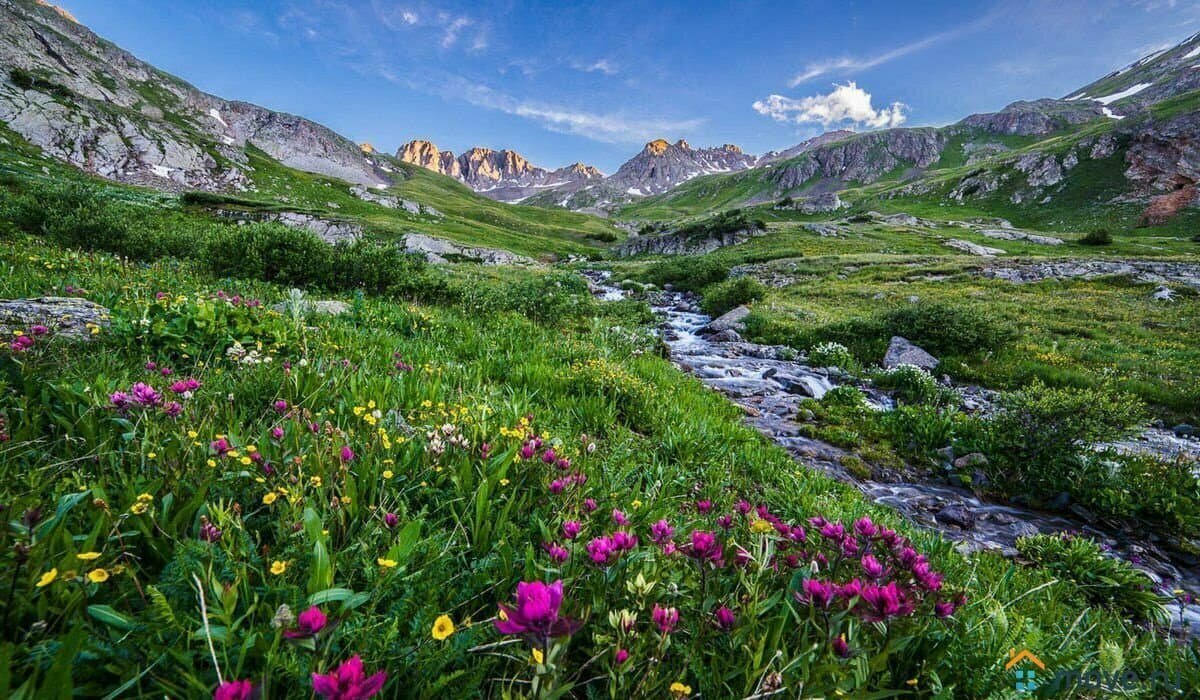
(143, 394)
(308, 624)
(557, 554)
(818, 593)
(724, 618)
(571, 529)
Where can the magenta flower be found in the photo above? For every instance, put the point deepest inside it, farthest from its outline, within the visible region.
(878, 603)
(184, 386)
(619, 517)
(549, 456)
(724, 618)
(571, 529)
(21, 343)
(833, 531)
(871, 566)
(704, 507)
(348, 682)
(944, 608)
(347, 454)
(145, 395)
(850, 589)
(308, 624)
(277, 433)
(391, 520)
(704, 547)
(743, 506)
(603, 551)
(557, 553)
(281, 406)
(621, 656)
(818, 593)
(841, 648)
(221, 446)
(119, 399)
(624, 541)
(209, 532)
(664, 618)
(590, 505)
(661, 532)
(865, 527)
(557, 486)
(173, 409)
(725, 521)
(235, 690)
(536, 615)
(527, 451)
(927, 577)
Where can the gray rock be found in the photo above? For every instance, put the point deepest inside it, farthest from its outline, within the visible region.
(730, 320)
(1153, 271)
(972, 248)
(1184, 430)
(957, 515)
(946, 454)
(902, 352)
(1012, 235)
(440, 251)
(980, 480)
(65, 316)
(1164, 293)
(726, 336)
(974, 459)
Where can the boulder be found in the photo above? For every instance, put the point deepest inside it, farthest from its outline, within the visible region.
(902, 352)
(730, 320)
(972, 248)
(726, 336)
(439, 251)
(66, 316)
(956, 515)
(969, 461)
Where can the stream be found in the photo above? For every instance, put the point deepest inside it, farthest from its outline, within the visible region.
(769, 388)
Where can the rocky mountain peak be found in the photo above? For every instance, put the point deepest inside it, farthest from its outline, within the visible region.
(683, 145)
(366, 148)
(731, 148)
(657, 147)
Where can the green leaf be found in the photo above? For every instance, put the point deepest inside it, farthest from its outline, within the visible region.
(330, 595)
(110, 617)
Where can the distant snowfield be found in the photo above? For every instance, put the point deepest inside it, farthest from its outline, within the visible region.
(215, 114)
(1110, 114)
(1132, 90)
(1193, 53)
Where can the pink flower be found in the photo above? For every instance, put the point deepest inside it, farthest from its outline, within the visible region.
(841, 648)
(183, 386)
(527, 451)
(724, 618)
(619, 518)
(871, 566)
(281, 406)
(548, 456)
(571, 529)
(536, 615)
(557, 554)
(173, 409)
(38, 329)
(277, 433)
(878, 603)
(209, 532)
(819, 593)
(590, 505)
(145, 395)
(391, 520)
(927, 577)
(221, 446)
(348, 682)
(725, 522)
(704, 547)
(308, 624)
(119, 399)
(665, 618)
(347, 454)
(704, 507)
(602, 551)
(743, 506)
(865, 527)
(833, 531)
(624, 541)
(944, 608)
(235, 690)
(661, 532)
(621, 656)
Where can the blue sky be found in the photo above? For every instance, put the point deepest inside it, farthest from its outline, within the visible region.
(567, 81)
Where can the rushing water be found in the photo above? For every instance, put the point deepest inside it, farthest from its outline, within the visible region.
(769, 387)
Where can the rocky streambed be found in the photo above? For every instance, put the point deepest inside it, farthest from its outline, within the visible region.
(769, 384)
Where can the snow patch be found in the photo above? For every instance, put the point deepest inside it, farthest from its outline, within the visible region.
(380, 186)
(634, 191)
(1131, 90)
(215, 114)
(1193, 53)
(1110, 114)
(161, 171)
(1078, 96)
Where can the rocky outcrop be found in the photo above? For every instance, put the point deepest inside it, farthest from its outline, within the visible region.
(84, 100)
(332, 231)
(1038, 117)
(972, 248)
(69, 317)
(683, 243)
(1004, 234)
(440, 251)
(661, 166)
(502, 175)
(901, 351)
(1150, 271)
(1164, 160)
(863, 158)
(803, 147)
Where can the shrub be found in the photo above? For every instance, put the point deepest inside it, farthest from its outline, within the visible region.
(1038, 436)
(1101, 579)
(1099, 236)
(723, 296)
(913, 385)
(270, 252)
(833, 355)
(373, 267)
(945, 329)
(687, 274)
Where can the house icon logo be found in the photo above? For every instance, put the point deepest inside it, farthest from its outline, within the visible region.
(1024, 666)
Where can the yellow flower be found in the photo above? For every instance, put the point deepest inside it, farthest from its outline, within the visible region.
(193, 434)
(636, 504)
(151, 455)
(314, 481)
(138, 508)
(278, 567)
(505, 482)
(443, 627)
(761, 527)
(98, 575)
(680, 690)
(387, 473)
(269, 497)
(386, 563)
(246, 461)
(537, 655)
(345, 500)
(47, 578)
(212, 462)
(88, 556)
(145, 497)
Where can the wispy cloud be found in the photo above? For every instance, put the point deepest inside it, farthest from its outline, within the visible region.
(847, 105)
(451, 27)
(844, 65)
(603, 65)
(605, 127)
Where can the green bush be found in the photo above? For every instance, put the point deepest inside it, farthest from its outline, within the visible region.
(913, 385)
(833, 355)
(945, 329)
(723, 296)
(686, 273)
(270, 252)
(1102, 580)
(1099, 236)
(1040, 434)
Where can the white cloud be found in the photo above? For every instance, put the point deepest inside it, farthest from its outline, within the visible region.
(452, 29)
(409, 17)
(847, 64)
(847, 105)
(604, 66)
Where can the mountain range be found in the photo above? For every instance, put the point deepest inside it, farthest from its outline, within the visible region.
(86, 101)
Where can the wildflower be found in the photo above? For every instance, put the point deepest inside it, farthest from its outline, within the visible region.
(347, 454)
(624, 541)
(549, 457)
(871, 566)
(725, 522)
(281, 406)
(571, 528)
(927, 577)
(882, 602)
(602, 551)
(277, 433)
(21, 343)
(143, 394)
(840, 647)
(235, 690)
(724, 618)
(536, 614)
(761, 527)
(943, 608)
(664, 618)
(269, 497)
(185, 386)
(308, 624)
(590, 505)
(557, 553)
(865, 527)
(704, 507)
(443, 627)
(680, 690)
(47, 578)
(704, 547)
(88, 556)
(278, 567)
(221, 446)
(348, 682)
(536, 656)
(38, 329)
(391, 520)
(621, 656)
(120, 400)
(818, 593)
(833, 531)
(386, 563)
(173, 409)
(98, 575)
(283, 617)
(619, 518)
(661, 532)
(208, 531)
(557, 486)
(139, 508)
